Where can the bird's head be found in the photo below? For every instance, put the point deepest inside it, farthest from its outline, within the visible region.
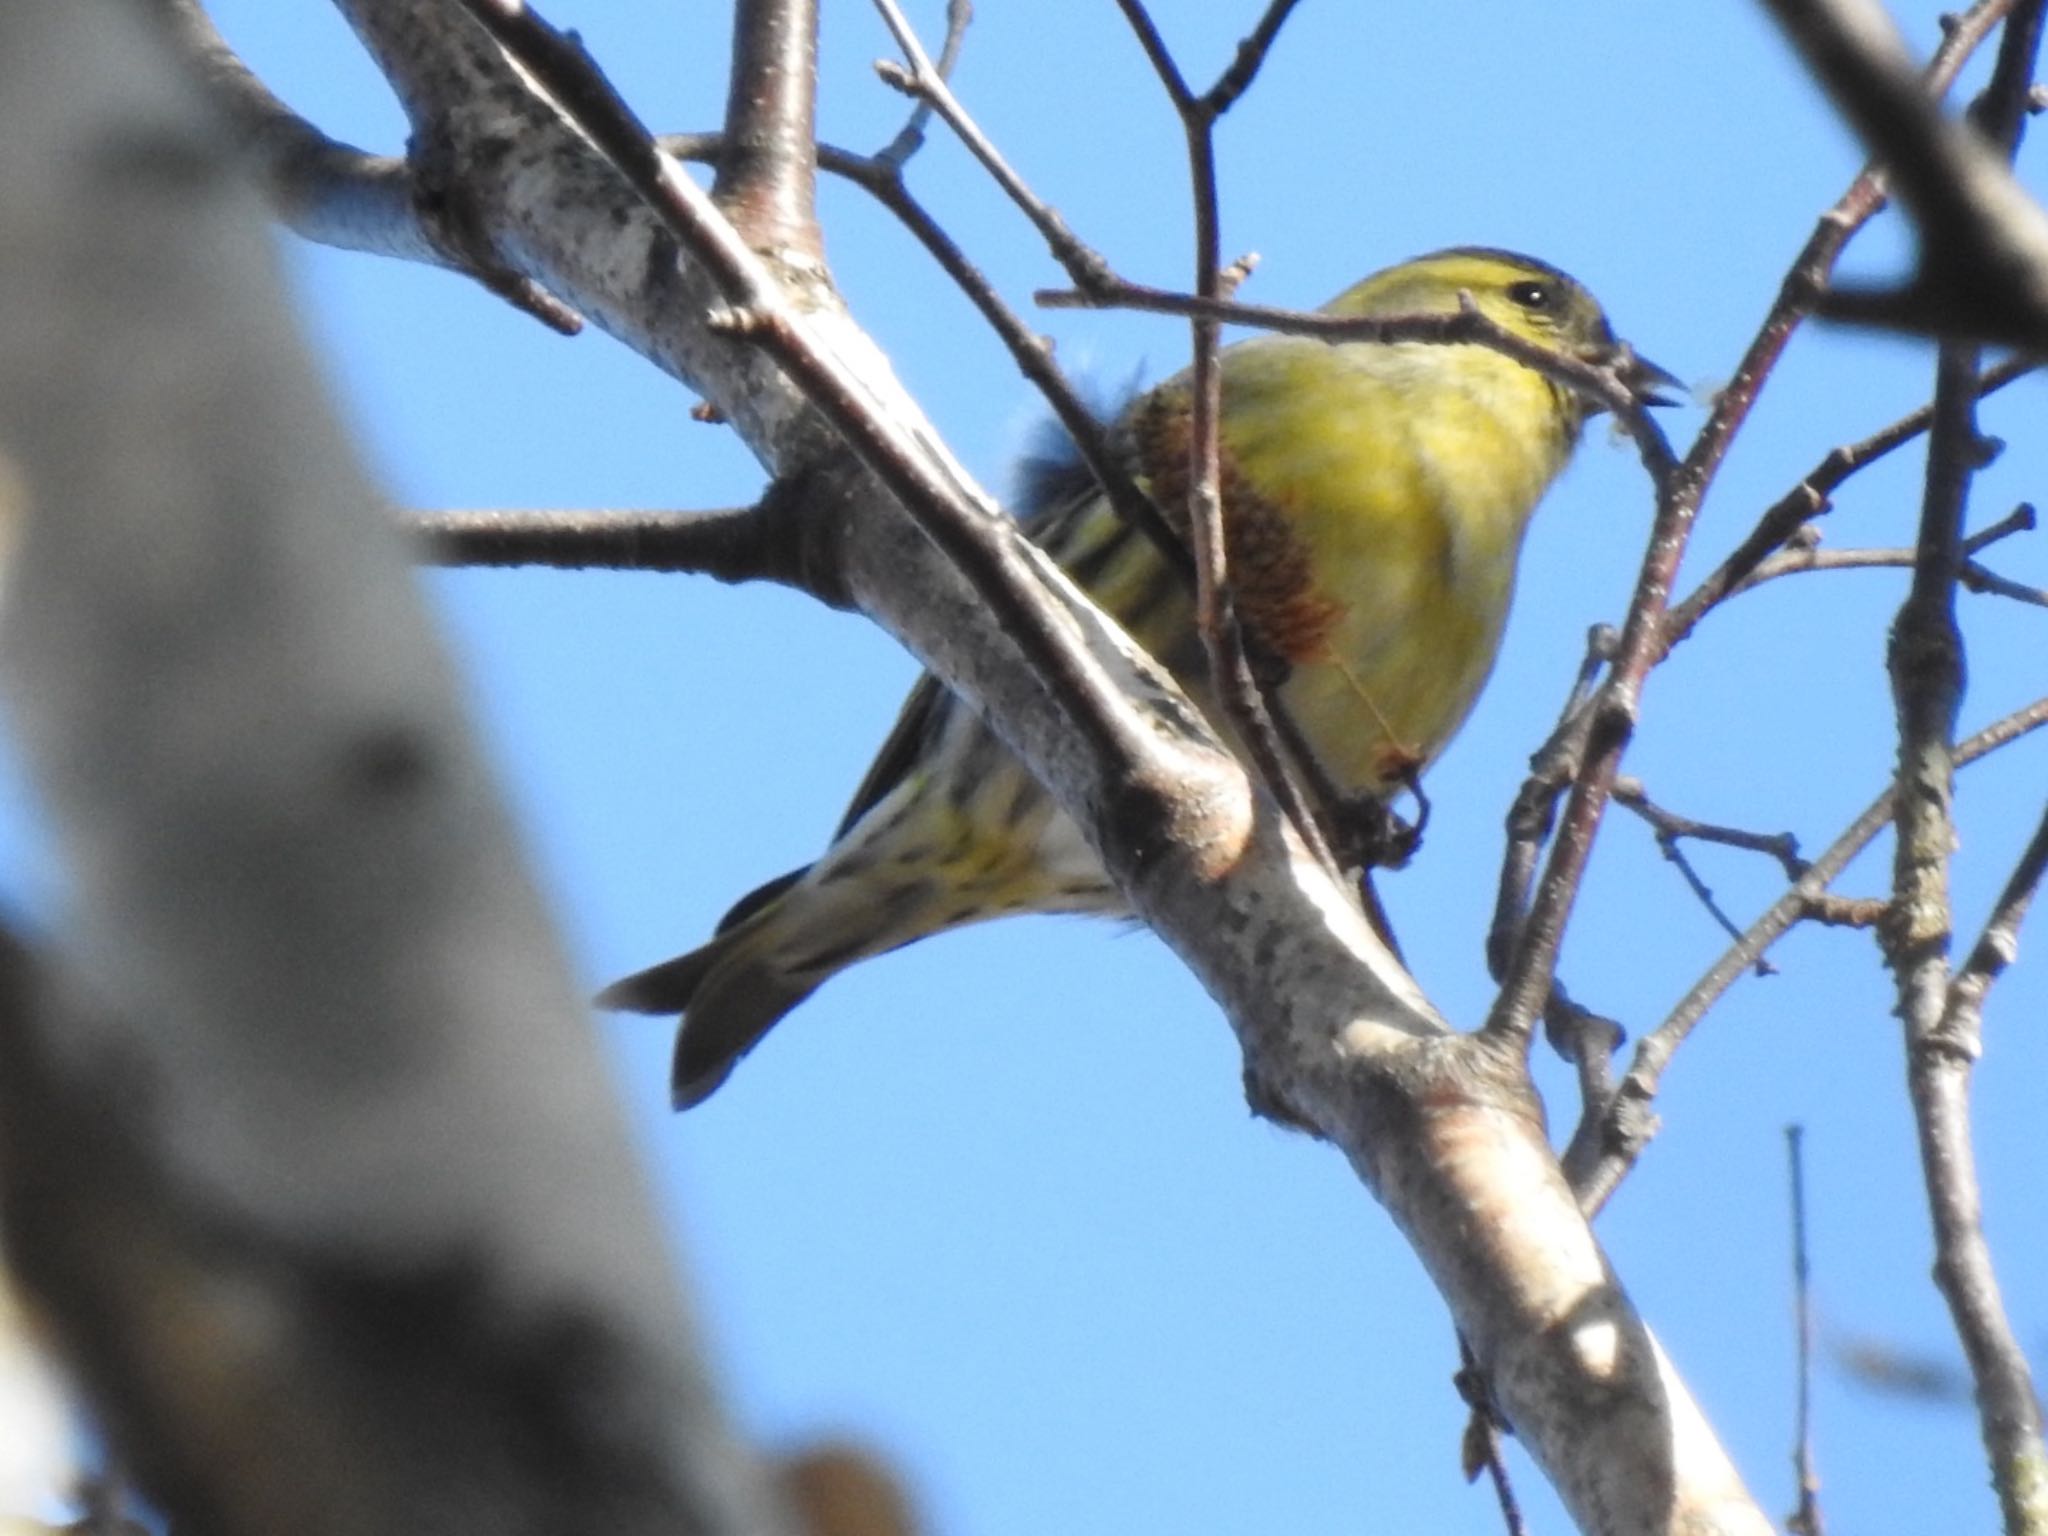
(1527, 297)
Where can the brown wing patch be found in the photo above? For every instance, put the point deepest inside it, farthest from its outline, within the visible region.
(1271, 575)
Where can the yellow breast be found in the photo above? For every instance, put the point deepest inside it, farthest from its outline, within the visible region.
(1405, 477)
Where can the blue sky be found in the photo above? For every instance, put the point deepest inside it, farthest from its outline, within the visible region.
(994, 1204)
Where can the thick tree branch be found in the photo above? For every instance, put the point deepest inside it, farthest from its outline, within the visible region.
(307, 1148)
(768, 170)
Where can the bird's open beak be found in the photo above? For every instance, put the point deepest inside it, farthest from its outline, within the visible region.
(1647, 382)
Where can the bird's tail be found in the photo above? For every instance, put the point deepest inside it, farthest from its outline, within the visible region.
(776, 947)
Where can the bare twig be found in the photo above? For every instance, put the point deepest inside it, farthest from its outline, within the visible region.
(1480, 1447)
(1970, 574)
(732, 543)
(1809, 498)
(1250, 709)
(1612, 385)
(1589, 1041)
(1999, 943)
(1832, 911)
(1670, 828)
(1630, 1125)
(1806, 1519)
(1533, 813)
(1250, 56)
(924, 80)
(910, 138)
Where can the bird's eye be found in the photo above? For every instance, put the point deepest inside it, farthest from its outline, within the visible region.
(1532, 295)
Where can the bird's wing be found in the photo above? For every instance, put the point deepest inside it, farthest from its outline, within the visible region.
(918, 727)
(1060, 514)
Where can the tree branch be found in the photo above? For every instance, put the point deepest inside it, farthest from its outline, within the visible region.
(768, 170)
(338, 195)
(308, 1151)
(1983, 264)
(1809, 499)
(732, 544)
(1926, 664)
(1806, 1519)
(1250, 708)
(1630, 1124)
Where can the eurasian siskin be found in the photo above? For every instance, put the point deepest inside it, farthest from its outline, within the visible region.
(1374, 500)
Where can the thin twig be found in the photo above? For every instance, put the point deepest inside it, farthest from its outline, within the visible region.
(1806, 1519)
(1612, 384)
(1480, 1450)
(1832, 911)
(1996, 948)
(1245, 703)
(1588, 1040)
(1533, 813)
(910, 138)
(1809, 499)
(923, 80)
(1670, 828)
(1250, 57)
(1970, 574)
(1679, 491)
(1487, 1433)
(732, 544)
(1630, 1125)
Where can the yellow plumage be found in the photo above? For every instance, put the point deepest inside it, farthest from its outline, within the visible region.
(1374, 503)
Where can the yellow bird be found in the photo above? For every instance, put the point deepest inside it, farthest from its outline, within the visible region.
(1374, 500)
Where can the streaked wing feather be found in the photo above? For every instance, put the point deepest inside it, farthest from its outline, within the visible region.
(1058, 491)
(918, 727)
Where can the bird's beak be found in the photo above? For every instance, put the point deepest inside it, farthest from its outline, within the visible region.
(1646, 381)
